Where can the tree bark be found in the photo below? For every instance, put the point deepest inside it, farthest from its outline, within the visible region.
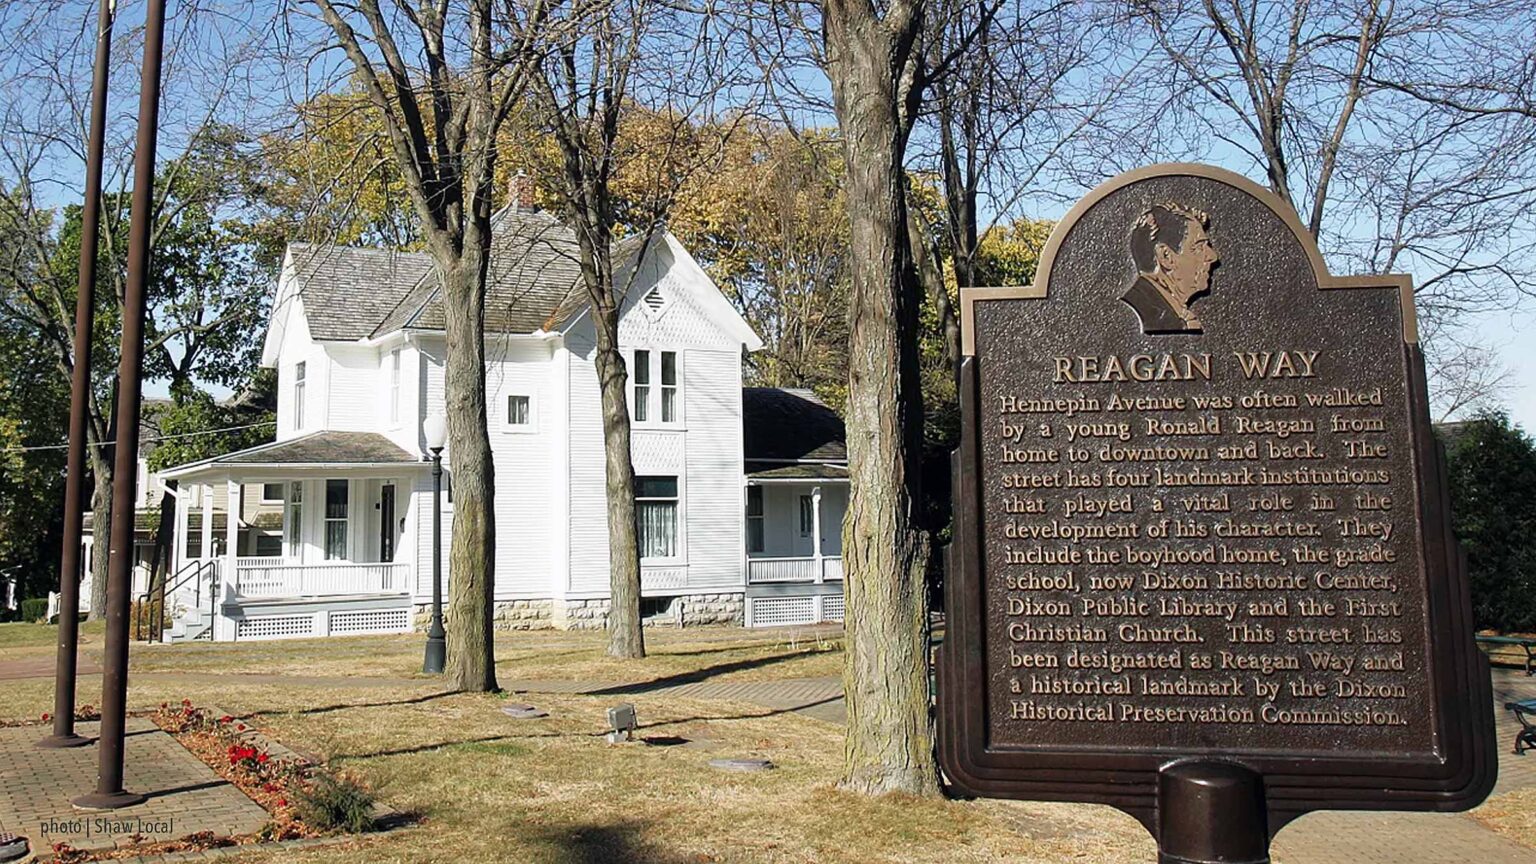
(626, 638)
(889, 734)
(472, 551)
(101, 524)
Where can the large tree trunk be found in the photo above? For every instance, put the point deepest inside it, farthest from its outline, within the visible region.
(101, 527)
(472, 552)
(626, 638)
(889, 735)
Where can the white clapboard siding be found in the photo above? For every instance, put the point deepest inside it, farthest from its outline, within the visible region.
(524, 459)
(353, 389)
(712, 391)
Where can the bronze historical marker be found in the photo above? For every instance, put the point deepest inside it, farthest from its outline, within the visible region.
(1202, 542)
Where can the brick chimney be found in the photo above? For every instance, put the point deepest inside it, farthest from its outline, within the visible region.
(522, 193)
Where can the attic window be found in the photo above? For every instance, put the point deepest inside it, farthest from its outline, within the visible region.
(654, 301)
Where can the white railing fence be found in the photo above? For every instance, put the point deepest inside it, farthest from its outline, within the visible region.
(319, 580)
(764, 571)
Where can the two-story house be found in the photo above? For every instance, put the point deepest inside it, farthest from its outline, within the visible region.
(739, 492)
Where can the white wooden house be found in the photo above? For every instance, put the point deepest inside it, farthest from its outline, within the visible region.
(740, 491)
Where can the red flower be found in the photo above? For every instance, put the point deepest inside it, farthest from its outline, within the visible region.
(226, 719)
(240, 727)
(262, 758)
(47, 716)
(164, 705)
(282, 802)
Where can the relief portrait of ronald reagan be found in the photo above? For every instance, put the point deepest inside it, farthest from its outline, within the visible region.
(1174, 258)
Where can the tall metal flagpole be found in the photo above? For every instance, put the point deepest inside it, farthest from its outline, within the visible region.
(74, 482)
(109, 792)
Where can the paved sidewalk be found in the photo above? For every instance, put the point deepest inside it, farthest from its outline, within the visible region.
(185, 796)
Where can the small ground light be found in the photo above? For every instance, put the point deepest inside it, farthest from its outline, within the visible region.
(623, 721)
(13, 848)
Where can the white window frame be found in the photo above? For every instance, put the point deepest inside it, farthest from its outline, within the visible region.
(282, 493)
(529, 425)
(345, 519)
(679, 541)
(394, 387)
(300, 373)
(647, 389)
(293, 522)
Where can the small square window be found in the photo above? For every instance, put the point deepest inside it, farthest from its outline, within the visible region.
(272, 493)
(519, 410)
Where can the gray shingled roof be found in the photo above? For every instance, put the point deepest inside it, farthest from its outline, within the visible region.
(780, 471)
(783, 424)
(347, 290)
(535, 266)
(324, 448)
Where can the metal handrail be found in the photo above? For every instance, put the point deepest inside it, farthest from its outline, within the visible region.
(158, 621)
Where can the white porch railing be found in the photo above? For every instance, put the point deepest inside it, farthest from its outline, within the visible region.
(319, 580)
(764, 571)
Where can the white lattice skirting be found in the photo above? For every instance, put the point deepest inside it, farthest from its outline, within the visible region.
(301, 625)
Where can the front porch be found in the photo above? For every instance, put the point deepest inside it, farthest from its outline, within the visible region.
(314, 540)
(794, 563)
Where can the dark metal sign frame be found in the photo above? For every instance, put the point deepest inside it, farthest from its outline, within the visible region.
(1457, 776)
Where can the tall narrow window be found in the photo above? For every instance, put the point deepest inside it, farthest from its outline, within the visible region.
(387, 522)
(335, 520)
(656, 516)
(293, 520)
(807, 515)
(394, 386)
(754, 518)
(669, 386)
(642, 372)
(298, 395)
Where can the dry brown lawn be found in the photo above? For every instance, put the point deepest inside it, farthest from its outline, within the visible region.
(490, 788)
(1512, 814)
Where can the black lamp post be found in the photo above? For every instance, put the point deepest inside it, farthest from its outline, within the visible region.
(435, 430)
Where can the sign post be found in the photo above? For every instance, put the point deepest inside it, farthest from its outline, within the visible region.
(1203, 569)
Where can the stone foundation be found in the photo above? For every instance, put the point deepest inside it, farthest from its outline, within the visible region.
(697, 610)
(700, 609)
(506, 615)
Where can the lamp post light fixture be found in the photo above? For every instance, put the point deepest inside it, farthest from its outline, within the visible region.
(435, 431)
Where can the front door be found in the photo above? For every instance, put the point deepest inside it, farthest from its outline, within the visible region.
(387, 522)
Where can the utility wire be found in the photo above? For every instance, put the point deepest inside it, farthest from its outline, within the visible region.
(145, 440)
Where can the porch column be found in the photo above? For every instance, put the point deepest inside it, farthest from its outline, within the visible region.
(816, 533)
(183, 501)
(207, 549)
(231, 530)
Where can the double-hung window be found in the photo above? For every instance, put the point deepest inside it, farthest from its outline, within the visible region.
(642, 386)
(293, 520)
(298, 395)
(335, 520)
(663, 382)
(394, 386)
(754, 518)
(656, 516)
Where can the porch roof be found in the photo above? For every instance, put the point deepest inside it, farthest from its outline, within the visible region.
(757, 471)
(329, 449)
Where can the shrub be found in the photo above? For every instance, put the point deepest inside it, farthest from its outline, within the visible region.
(1492, 468)
(335, 804)
(34, 608)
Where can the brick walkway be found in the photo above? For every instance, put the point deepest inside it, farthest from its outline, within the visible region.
(185, 796)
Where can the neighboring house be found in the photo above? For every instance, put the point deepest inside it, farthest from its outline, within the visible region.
(260, 522)
(739, 493)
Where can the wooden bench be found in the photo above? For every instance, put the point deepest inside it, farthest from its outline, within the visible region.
(1525, 712)
(1526, 642)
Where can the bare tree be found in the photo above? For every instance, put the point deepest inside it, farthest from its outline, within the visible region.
(1400, 131)
(43, 81)
(664, 67)
(442, 78)
(872, 60)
